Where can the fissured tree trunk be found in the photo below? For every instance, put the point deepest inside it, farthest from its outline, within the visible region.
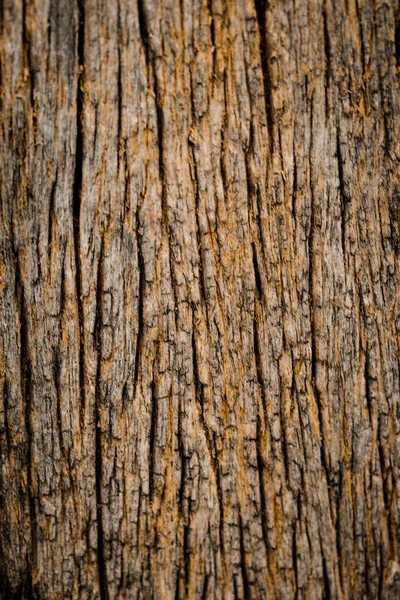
(200, 299)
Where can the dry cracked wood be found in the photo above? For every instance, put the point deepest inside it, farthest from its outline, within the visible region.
(200, 299)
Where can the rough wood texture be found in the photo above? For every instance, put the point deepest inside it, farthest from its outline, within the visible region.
(200, 299)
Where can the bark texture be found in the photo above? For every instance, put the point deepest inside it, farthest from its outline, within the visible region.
(200, 299)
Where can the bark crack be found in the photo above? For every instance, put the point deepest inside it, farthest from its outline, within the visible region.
(101, 562)
(77, 200)
(26, 392)
(263, 500)
(6, 400)
(139, 337)
(200, 251)
(261, 7)
(328, 65)
(342, 192)
(52, 216)
(57, 382)
(119, 87)
(27, 46)
(246, 585)
(295, 562)
(152, 436)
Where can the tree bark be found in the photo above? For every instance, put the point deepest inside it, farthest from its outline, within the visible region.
(200, 299)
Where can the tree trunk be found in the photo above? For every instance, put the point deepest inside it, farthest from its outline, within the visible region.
(200, 299)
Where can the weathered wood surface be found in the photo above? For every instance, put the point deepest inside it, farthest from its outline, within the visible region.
(200, 299)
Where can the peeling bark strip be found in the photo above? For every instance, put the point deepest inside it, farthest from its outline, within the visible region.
(200, 299)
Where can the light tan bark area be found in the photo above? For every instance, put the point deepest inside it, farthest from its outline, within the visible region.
(200, 299)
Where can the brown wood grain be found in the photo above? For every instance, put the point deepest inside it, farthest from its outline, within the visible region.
(199, 299)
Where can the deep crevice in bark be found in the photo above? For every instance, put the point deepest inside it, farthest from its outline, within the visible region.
(26, 392)
(183, 460)
(342, 192)
(52, 217)
(397, 40)
(57, 369)
(6, 400)
(368, 393)
(139, 337)
(101, 561)
(204, 594)
(255, 202)
(200, 251)
(26, 42)
(294, 194)
(295, 565)
(57, 382)
(152, 436)
(263, 500)
(186, 553)
(209, 4)
(361, 36)
(143, 31)
(151, 59)
(77, 192)
(338, 540)
(283, 436)
(120, 91)
(256, 341)
(261, 7)
(246, 586)
(220, 497)
(328, 66)
(327, 587)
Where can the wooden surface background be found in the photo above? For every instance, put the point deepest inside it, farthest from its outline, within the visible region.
(200, 299)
